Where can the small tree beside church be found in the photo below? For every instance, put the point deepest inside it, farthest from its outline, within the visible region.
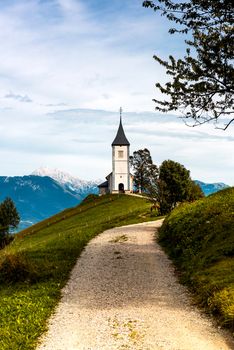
(145, 172)
(9, 219)
(167, 185)
(175, 186)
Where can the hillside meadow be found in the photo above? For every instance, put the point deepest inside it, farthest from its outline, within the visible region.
(36, 265)
(199, 237)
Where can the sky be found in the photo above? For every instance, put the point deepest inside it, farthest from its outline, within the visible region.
(66, 67)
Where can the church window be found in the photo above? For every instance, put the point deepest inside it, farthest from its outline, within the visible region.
(120, 154)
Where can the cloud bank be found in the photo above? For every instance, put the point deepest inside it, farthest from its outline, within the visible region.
(66, 66)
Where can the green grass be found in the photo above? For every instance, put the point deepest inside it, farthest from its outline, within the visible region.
(199, 237)
(36, 265)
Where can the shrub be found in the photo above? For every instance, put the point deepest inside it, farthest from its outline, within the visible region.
(90, 198)
(14, 267)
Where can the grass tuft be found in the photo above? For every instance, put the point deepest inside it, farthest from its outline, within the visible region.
(119, 239)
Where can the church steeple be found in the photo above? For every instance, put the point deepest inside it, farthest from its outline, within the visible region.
(120, 179)
(120, 139)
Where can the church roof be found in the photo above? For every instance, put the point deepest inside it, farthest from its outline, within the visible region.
(104, 184)
(120, 139)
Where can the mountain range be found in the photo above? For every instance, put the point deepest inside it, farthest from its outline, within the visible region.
(79, 188)
(39, 196)
(211, 188)
(47, 191)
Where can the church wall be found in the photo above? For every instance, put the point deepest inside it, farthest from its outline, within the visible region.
(110, 182)
(121, 167)
(121, 179)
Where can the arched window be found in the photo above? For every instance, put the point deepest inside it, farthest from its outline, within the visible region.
(121, 188)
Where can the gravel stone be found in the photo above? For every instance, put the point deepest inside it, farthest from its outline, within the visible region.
(123, 294)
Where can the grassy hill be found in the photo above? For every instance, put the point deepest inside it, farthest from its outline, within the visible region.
(199, 237)
(35, 267)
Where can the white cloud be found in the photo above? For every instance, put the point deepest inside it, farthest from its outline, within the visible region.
(79, 141)
(21, 98)
(77, 62)
(78, 58)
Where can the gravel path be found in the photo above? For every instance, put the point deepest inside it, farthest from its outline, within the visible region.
(123, 294)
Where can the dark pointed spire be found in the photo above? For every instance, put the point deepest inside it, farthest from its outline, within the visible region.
(120, 139)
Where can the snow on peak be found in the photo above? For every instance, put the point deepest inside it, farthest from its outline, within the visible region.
(63, 177)
(56, 174)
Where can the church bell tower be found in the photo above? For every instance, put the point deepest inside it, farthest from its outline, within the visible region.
(121, 177)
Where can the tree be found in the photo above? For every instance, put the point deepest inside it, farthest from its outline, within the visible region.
(177, 180)
(202, 82)
(144, 170)
(173, 186)
(9, 218)
(159, 195)
(195, 192)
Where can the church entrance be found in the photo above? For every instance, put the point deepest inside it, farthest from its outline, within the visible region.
(121, 188)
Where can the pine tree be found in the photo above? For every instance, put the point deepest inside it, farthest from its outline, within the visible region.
(9, 218)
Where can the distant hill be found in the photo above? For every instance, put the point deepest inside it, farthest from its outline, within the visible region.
(211, 188)
(38, 197)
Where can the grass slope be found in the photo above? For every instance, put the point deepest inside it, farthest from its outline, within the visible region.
(35, 267)
(199, 237)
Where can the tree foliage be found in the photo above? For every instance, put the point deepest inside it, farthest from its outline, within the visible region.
(167, 185)
(175, 185)
(195, 192)
(202, 82)
(144, 170)
(9, 218)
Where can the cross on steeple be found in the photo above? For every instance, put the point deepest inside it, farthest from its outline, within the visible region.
(120, 112)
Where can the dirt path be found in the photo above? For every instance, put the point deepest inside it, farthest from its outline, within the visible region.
(123, 294)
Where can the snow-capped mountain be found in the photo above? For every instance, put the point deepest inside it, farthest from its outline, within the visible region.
(68, 181)
(36, 197)
(44, 193)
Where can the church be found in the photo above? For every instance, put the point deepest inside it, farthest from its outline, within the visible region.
(120, 179)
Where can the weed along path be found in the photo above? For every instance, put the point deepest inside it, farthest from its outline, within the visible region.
(123, 294)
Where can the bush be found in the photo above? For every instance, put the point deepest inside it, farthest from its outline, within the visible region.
(14, 267)
(90, 198)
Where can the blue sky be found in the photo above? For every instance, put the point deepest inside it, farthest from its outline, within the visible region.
(66, 66)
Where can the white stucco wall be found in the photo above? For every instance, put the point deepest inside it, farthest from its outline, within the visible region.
(120, 167)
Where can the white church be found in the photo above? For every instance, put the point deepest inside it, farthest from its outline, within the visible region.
(120, 179)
